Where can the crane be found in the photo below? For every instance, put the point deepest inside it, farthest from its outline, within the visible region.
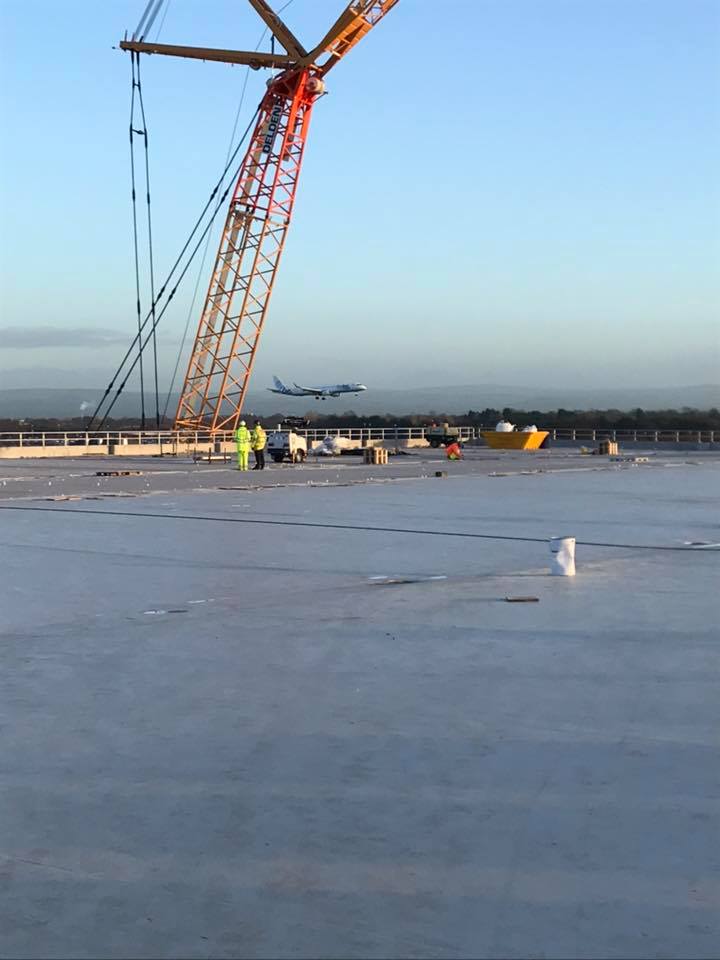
(260, 210)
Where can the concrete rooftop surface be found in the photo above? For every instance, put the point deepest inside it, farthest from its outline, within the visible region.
(224, 738)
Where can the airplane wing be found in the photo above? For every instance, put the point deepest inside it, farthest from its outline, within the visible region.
(310, 391)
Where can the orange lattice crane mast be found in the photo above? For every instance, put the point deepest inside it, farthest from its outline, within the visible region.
(260, 210)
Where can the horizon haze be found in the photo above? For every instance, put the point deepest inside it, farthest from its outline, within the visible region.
(452, 399)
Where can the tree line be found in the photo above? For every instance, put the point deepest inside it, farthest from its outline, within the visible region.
(686, 418)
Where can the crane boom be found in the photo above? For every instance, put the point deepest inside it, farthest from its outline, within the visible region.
(250, 249)
(286, 37)
(260, 210)
(253, 59)
(355, 22)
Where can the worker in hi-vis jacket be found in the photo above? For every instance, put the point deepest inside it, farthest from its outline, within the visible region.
(242, 443)
(258, 439)
(454, 451)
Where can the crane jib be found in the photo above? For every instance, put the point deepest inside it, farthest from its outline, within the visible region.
(272, 126)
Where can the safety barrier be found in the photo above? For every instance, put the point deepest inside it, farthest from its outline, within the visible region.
(170, 438)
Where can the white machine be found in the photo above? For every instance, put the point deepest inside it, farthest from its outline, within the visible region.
(286, 445)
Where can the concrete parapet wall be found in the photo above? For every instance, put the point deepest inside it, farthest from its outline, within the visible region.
(188, 448)
(114, 449)
(407, 444)
(138, 449)
(156, 449)
(635, 445)
(56, 450)
(171, 448)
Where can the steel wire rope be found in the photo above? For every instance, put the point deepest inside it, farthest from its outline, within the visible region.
(143, 18)
(191, 308)
(162, 21)
(142, 22)
(201, 269)
(151, 19)
(143, 344)
(137, 338)
(362, 528)
(151, 264)
(133, 55)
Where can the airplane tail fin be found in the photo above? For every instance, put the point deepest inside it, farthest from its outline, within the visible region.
(279, 385)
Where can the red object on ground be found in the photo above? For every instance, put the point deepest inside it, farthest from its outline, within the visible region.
(453, 451)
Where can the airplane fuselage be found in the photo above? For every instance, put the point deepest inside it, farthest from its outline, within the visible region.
(320, 393)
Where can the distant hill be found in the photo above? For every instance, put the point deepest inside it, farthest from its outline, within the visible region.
(32, 402)
(38, 402)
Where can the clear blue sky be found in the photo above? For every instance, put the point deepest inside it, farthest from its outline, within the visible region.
(507, 191)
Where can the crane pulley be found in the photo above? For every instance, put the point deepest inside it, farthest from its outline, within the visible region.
(260, 209)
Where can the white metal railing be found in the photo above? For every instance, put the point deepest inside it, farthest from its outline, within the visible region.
(194, 438)
(584, 434)
(185, 439)
(48, 438)
(377, 433)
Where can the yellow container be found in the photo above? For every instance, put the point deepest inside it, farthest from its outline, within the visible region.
(517, 440)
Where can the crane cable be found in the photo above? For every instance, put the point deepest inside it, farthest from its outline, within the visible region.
(148, 18)
(162, 21)
(201, 269)
(151, 264)
(138, 338)
(143, 132)
(133, 55)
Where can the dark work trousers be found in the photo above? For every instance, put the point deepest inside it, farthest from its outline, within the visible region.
(259, 459)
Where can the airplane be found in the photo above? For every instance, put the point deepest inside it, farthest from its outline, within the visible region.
(320, 393)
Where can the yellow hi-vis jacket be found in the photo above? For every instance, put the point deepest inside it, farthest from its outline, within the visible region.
(258, 438)
(242, 438)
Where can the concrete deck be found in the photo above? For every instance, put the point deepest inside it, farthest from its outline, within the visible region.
(224, 739)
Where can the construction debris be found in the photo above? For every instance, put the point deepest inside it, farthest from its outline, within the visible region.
(385, 581)
(118, 473)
